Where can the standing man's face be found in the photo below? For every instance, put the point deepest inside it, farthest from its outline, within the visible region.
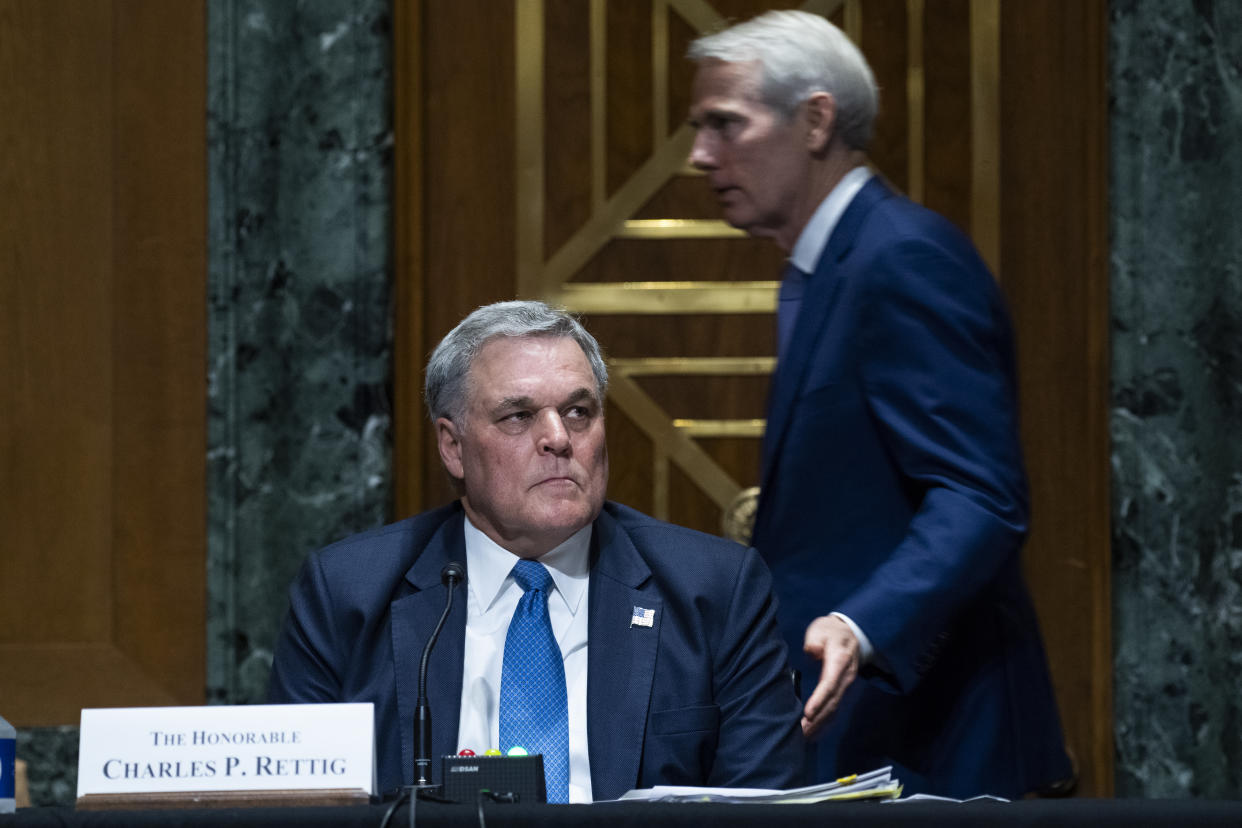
(531, 452)
(755, 157)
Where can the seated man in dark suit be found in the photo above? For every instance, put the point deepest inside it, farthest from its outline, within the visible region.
(627, 651)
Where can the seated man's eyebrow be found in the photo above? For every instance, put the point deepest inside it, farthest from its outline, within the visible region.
(579, 395)
(509, 403)
(512, 403)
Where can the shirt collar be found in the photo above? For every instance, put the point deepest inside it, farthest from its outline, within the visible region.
(814, 237)
(489, 566)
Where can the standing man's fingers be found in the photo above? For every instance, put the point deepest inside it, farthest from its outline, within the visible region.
(830, 640)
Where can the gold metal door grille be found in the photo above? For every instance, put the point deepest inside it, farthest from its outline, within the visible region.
(549, 274)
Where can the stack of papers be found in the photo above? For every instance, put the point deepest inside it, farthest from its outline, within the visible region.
(876, 784)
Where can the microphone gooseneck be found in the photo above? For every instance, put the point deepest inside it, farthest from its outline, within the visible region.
(451, 575)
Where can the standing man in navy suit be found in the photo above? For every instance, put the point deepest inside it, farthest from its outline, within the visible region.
(893, 503)
(666, 654)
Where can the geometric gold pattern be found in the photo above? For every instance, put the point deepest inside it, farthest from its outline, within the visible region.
(612, 214)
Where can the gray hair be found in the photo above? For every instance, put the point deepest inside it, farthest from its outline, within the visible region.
(448, 371)
(801, 53)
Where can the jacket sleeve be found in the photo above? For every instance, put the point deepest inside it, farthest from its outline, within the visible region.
(307, 663)
(760, 740)
(938, 378)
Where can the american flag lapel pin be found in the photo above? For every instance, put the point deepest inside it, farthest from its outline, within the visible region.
(642, 617)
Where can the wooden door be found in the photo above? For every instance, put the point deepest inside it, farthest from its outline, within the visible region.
(102, 356)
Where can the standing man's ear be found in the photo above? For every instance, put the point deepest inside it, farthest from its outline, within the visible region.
(820, 114)
(449, 441)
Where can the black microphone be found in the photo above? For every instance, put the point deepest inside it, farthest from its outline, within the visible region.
(451, 575)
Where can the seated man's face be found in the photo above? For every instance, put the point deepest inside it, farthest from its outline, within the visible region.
(531, 452)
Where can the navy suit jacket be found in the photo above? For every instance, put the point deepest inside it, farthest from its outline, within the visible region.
(702, 697)
(894, 492)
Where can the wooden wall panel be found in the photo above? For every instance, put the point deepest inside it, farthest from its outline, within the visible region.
(567, 144)
(628, 90)
(410, 449)
(469, 169)
(56, 346)
(1054, 121)
(948, 151)
(102, 354)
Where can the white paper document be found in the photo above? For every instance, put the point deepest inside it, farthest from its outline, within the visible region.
(876, 784)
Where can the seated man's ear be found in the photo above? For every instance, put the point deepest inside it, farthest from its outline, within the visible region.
(448, 438)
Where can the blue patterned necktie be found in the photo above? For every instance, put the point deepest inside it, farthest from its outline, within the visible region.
(790, 301)
(534, 712)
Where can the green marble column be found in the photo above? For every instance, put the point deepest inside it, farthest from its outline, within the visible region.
(1176, 282)
(300, 146)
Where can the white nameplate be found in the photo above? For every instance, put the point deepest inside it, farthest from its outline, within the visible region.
(260, 747)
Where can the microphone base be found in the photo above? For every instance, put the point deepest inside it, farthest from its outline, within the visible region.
(504, 778)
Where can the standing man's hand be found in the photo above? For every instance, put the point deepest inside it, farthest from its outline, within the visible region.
(830, 640)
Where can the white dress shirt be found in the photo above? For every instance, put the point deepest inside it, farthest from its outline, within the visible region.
(492, 597)
(814, 237)
(808, 249)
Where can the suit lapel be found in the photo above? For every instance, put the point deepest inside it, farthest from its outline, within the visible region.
(621, 660)
(817, 299)
(414, 617)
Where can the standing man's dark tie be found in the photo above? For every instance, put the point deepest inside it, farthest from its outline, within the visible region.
(793, 281)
